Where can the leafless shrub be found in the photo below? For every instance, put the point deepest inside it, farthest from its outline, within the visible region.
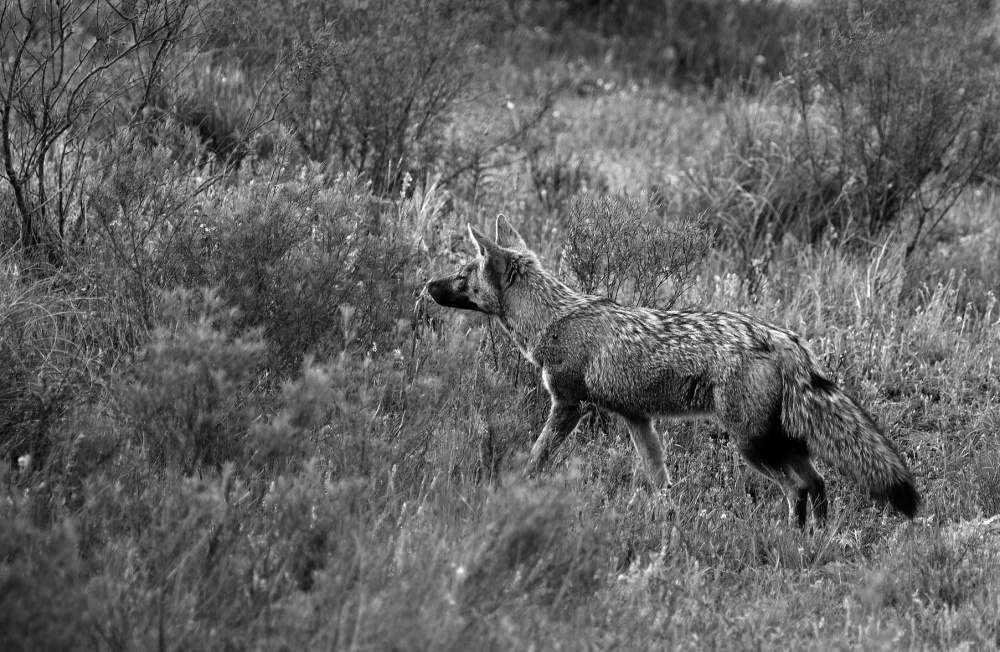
(67, 68)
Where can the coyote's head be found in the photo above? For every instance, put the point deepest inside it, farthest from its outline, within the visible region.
(482, 283)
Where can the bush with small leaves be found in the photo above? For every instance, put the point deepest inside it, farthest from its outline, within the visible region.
(44, 602)
(291, 256)
(183, 391)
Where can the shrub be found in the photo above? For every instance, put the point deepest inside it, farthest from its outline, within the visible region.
(306, 404)
(167, 542)
(351, 441)
(196, 398)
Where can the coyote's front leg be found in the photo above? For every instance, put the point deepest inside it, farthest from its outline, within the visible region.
(562, 419)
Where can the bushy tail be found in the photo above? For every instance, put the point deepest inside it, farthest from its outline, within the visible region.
(843, 434)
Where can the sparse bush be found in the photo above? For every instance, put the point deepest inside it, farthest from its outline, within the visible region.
(225, 101)
(138, 214)
(318, 528)
(354, 440)
(986, 476)
(624, 249)
(178, 541)
(376, 83)
(306, 405)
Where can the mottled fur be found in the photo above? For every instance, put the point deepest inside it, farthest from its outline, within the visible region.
(758, 380)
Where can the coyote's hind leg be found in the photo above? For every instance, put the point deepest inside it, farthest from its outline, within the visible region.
(748, 405)
(786, 461)
(808, 482)
(647, 444)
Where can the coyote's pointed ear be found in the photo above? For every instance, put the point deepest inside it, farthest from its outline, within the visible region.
(483, 243)
(507, 236)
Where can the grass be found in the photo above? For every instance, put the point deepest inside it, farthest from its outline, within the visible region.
(348, 474)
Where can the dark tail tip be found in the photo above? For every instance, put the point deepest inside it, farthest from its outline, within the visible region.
(903, 497)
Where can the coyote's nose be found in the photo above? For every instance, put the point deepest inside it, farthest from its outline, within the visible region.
(437, 289)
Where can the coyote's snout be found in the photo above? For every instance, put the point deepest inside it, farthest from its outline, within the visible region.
(759, 381)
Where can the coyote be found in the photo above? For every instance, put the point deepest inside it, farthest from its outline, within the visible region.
(759, 381)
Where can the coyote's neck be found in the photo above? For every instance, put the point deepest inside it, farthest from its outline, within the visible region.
(535, 301)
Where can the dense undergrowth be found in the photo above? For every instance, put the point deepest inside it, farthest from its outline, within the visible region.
(229, 421)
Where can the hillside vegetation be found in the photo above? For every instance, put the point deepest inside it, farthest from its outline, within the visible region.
(228, 419)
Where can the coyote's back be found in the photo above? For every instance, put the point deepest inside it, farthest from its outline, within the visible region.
(758, 380)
